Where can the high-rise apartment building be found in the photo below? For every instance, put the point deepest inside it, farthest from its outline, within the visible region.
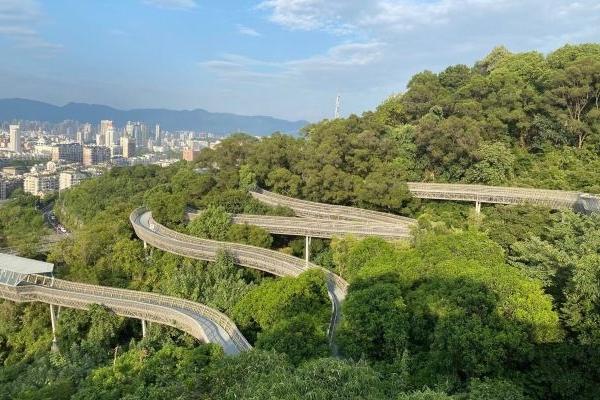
(129, 129)
(15, 138)
(157, 135)
(84, 134)
(128, 146)
(137, 134)
(93, 155)
(110, 137)
(70, 152)
(105, 126)
(87, 133)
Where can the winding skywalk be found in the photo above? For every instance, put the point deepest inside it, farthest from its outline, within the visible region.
(327, 212)
(555, 199)
(198, 320)
(270, 261)
(320, 228)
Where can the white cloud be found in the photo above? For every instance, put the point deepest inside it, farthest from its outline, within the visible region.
(382, 43)
(173, 4)
(117, 32)
(376, 16)
(336, 66)
(310, 15)
(244, 30)
(18, 21)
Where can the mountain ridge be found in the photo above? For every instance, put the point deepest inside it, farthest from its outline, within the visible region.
(197, 119)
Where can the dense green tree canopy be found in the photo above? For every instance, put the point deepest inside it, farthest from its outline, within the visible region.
(502, 305)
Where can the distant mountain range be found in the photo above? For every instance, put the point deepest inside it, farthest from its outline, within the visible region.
(198, 120)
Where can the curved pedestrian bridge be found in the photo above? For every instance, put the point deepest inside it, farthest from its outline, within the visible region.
(270, 261)
(555, 199)
(200, 321)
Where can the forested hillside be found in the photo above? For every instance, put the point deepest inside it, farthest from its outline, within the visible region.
(502, 305)
(511, 119)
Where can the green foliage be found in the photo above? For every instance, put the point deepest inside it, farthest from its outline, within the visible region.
(24, 331)
(191, 185)
(104, 326)
(167, 207)
(452, 302)
(119, 190)
(286, 297)
(22, 225)
(376, 321)
(232, 201)
(266, 375)
(426, 394)
(212, 223)
(250, 234)
(445, 312)
(215, 223)
(220, 284)
(507, 225)
(565, 257)
(449, 144)
(582, 305)
(385, 189)
(494, 390)
(141, 373)
(494, 166)
(300, 337)
(247, 178)
(275, 306)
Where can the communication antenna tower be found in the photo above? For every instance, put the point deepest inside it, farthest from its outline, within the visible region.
(337, 106)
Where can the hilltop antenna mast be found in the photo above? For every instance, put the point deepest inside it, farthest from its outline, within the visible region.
(337, 106)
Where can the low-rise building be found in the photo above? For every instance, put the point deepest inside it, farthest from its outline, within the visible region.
(93, 155)
(13, 171)
(190, 154)
(68, 179)
(9, 185)
(40, 184)
(72, 152)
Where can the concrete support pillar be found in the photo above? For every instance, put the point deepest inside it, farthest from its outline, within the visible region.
(478, 207)
(143, 328)
(53, 320)
(145, 245)
(307, 250)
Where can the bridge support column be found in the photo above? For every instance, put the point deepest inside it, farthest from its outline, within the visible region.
(307, 250)
(54, 347)
(145, 245)
(144, 328)
(478, 207)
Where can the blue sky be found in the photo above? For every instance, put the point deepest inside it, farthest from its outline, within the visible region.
(285, 58)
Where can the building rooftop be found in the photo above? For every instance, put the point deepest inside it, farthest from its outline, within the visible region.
(11, 266)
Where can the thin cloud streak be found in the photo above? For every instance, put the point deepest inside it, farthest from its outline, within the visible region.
(173, 4)
(244, 30)
(18, 19)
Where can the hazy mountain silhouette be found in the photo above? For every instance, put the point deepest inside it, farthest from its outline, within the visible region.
(198, 120)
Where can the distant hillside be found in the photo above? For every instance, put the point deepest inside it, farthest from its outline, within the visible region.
(199, 120)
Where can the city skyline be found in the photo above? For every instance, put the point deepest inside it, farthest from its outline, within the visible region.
(287, 59)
